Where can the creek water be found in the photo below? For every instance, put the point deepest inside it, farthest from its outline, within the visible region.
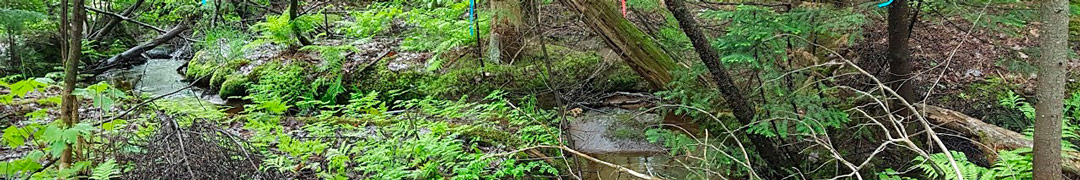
(158, 77)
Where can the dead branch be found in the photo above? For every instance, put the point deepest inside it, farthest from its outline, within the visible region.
(134, 52)
(136, 22)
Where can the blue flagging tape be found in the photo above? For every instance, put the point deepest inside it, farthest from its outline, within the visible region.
(472, 17)
(203, 2)
(886, 3)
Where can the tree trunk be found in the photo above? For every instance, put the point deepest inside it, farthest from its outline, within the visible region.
(294, 12)
(13, 57)
(992, 138)
(899, 54)
(635, 47)
(113, 21)
(1051, 88)
(69, 113)
(505, 40)
(741, 107)
(134, 53)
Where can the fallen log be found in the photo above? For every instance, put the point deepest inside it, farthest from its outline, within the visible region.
(990, 138)
(640, 51)
(134, 53)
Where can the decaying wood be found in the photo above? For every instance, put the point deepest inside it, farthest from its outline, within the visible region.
(635, 47)
(133, 53)
(990, 138)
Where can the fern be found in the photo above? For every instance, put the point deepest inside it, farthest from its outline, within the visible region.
(1012, 100)
(967, 169)
(106, 170)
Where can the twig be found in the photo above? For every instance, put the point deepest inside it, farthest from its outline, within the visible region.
(183, 151)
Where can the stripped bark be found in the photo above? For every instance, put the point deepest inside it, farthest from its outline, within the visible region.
(635, 47)
(990, 138)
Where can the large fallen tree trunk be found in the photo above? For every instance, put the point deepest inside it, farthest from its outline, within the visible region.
(133, 55)
(990, 138)
(635, 47)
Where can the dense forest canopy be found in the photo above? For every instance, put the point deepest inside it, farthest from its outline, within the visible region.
(539, 89)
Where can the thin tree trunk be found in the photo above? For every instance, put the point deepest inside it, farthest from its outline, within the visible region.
(635, 47)
(1051, 88)
(13, 58)
(899, 54)
(294, 12)
(69, 105)
(742, 108)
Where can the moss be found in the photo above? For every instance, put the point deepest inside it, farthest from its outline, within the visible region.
(218, 77)
(234, 85)
(198, 67)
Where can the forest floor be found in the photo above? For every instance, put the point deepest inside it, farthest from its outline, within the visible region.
(423, 114)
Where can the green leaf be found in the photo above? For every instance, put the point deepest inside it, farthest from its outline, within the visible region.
(39, 114)
(19, 166)
(56, 100)
(14, 137)
(111, 125)
(21, 88)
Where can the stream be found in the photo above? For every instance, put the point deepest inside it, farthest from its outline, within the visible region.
(158, 77)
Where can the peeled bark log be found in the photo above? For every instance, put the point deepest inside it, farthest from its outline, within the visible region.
(133, 53)
(988, 137)
(635, 47)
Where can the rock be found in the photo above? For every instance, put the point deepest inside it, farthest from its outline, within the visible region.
(973, 73)
(1022, 55)
(234, 85)
(161, 52)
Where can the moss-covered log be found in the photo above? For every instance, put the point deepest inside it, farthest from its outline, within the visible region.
(634, 46)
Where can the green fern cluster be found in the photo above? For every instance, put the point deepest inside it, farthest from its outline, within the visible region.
(1012, 165)
(390, 147)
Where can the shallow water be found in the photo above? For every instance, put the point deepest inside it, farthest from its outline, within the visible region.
(158, 77)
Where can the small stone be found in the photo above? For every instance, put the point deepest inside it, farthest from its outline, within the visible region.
(973, 73)
(1022, 55)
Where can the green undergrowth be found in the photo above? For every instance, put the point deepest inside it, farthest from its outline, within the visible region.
(433, 139)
